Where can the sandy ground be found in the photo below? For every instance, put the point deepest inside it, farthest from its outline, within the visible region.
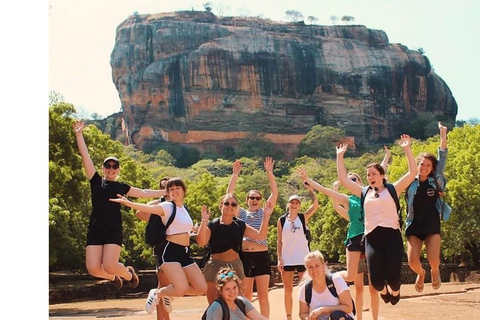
(451, 301)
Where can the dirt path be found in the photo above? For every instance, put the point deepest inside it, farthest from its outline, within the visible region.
(451, 301)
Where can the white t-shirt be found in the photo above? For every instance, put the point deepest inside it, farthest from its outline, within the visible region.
(380, 212)
(181, 223)
(325, 298)
(294, 243)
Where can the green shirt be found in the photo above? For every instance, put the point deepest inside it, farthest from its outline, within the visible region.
(355, 214)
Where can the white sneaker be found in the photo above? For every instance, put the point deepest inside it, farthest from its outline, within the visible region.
(167, 303)
(152, 301)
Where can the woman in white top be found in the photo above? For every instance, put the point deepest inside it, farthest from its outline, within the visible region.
(323, 305)
(292, 244)
(175, 261)
(383, 239)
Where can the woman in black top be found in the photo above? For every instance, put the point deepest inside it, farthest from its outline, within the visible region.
(104, 236)
(224, 235)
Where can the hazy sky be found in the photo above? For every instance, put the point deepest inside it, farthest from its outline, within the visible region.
(82, 37)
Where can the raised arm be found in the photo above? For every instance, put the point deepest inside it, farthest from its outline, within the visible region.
(353, 187)
(407, 178)
(386, 158)
(144, 215)
(204, 232)
(443, 136)
(341, 209)
(154, 209)
(268, 165)
(236, 168)
(262, 233)
(78, 127)
(314, 206)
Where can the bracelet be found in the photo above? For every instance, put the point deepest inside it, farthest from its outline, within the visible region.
(205, 220)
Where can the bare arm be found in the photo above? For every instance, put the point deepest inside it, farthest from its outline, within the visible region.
(342, 210)
(304, 311)
(268, 165)
(314, 206)
(351, 186)
(443, 136)
(407, 178)
(237, 167)
(145, 193)
(154, 209)
(204, 232)
(279, 246)
(143, 215)
(78, 127)
(255, 315)
(386, 158)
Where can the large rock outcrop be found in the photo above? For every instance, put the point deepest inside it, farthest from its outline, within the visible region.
(194, 78)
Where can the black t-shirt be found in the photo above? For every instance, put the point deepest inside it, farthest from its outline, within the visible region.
(226, 236)
(426, 219)
(105, 213)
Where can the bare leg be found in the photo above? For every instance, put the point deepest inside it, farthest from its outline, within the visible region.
(262, 290)
(162, 314)
(111, 255)
(212, 292)
(414, 250)
(374, 301)
(359, 286)
(248, 287)
(287, 279)
(352, 266)
(432, 244)
(102, 262)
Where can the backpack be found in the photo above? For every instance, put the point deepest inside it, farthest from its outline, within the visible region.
(155, 230)
(391, 189)
(226, 312)
(330, 286)
(306, 231)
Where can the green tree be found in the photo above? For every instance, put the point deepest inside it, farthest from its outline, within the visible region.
(320, 141)
(294, 15)
(312, 19)
(348, 19)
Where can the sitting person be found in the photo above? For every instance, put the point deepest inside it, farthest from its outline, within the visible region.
(239, 308)
(323, 296)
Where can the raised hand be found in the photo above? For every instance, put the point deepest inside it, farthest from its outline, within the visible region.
(237, 167)
(302, 173)
(205, 213)
(78, 126)
(404, 140)
(387, 151)
(267, 209)
(441, 127)
(121, 199)
(268, 164)
(336, 185)
(341, 149)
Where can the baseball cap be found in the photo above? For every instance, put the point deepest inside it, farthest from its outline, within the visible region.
(294, 197)
(111, 158)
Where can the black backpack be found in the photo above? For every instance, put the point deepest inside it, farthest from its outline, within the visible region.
(306, 231)
(226, 312)
(155, 230)
(330, 286)
(391, 189)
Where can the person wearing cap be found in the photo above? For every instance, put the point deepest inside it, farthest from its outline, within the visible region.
(292, 244)
(255, 256)
(104, 235)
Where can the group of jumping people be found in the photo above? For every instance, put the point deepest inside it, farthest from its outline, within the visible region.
(238, 244)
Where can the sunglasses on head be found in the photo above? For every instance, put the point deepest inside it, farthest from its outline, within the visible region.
(108, 166)
(376, 192)
(255, 198)
(233, 204)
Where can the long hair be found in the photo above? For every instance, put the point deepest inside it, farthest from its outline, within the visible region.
(379, 168)
(433, 160)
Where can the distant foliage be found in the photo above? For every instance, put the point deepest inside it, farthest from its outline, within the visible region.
(333, 19)
(312, 19)
(320, 141)
(348, 19)
(294, 15)
(207, 6)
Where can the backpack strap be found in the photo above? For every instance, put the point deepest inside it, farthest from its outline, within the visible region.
(302, 220)
(308, 292)
(172, 216)
(393, 193)
(241, 305)
(225, 311)
(282, 219)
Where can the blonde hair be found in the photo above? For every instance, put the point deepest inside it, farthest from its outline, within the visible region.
(310, 256)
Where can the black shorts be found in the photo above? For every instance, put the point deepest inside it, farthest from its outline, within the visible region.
(101, 236)
(299, 268)
(356, 243)
(256, 263)
(171, 252)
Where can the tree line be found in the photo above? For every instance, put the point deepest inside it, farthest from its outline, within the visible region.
(207, 180)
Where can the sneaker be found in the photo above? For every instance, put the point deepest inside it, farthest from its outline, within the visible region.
(152, 301)
(117, 282)
(134, 281)
(167, 303)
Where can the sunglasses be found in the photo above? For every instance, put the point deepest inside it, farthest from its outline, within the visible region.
(108, 166)
(293, 227)
(255, 198)
(233, 204)
(376, 192)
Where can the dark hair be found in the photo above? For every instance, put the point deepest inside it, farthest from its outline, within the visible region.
(163, 183)
(379, 168)
(432, 158)
(254, 191)
(176, 182)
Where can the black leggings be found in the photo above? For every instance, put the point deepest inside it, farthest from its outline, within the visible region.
(384, 251)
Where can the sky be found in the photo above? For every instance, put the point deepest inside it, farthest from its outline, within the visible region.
(82, 37)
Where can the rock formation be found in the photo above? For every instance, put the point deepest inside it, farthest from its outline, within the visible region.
(202, 80)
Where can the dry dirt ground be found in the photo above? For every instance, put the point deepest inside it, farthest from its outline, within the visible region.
(451, 301)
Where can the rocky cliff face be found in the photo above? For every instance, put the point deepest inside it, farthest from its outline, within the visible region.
(194, 78)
